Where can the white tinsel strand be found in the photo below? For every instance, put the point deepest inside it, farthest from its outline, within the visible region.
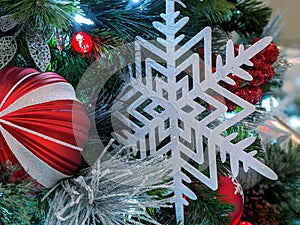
(111, 192)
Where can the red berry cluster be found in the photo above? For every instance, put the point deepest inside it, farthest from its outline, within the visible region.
(261, 71)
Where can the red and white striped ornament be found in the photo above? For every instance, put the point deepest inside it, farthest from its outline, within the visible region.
(43, 127)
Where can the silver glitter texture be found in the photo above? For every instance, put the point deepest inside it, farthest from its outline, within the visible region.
(8, 48)
(111, 192)
(38, 48)
(7, 23)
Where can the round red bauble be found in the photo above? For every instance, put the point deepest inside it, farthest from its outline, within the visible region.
(82, 42)
(43, 127)
(245, 223)
(232, 193)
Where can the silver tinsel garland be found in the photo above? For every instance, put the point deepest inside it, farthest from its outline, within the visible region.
(111, 192)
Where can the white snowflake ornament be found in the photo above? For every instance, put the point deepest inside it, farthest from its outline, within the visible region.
(177, 115)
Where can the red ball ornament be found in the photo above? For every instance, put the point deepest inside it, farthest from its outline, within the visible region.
(43, 127)
(231, 192)
(82, 42)
(245, 223)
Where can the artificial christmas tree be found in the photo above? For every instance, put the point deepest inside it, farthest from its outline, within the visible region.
(167, 117)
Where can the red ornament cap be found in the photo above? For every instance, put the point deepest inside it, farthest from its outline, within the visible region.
(82, 42)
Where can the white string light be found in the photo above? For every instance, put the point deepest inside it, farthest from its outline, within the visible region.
(80, 19)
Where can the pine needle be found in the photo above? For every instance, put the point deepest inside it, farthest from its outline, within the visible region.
(18, 204)
(43, 14)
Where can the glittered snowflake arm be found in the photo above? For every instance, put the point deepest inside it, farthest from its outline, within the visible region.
(177, 115)
(233, 63)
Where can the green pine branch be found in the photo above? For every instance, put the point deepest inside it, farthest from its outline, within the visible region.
(206, 210)
(245, 132)
(18, 204)
(286, 190)
(43, 14)
(248, 18)
(68, 63)
(276, 202)
(207, 12)
(125, 20)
